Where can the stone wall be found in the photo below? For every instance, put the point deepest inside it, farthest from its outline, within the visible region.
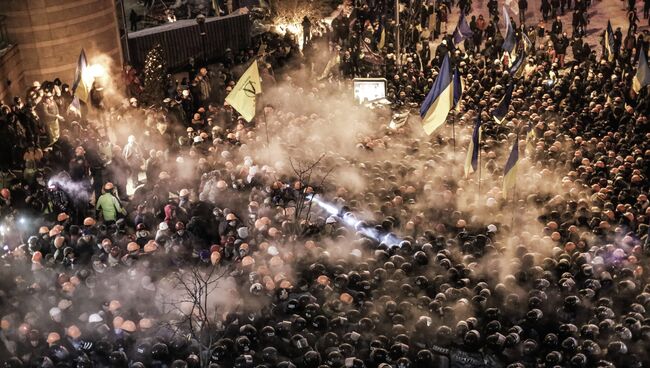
(12, 81)
(51, 33)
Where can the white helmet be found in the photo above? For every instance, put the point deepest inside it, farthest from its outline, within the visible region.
(95, 318)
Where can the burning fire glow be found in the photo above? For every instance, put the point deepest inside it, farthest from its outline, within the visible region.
(292, 28)
(289, 17)
(93, 72)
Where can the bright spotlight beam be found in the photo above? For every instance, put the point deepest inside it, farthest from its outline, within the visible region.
(350, 220)
(333, 211)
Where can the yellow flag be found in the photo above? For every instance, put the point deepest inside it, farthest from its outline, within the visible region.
(242, 97)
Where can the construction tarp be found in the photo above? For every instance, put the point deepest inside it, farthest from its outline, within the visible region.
(182, 39)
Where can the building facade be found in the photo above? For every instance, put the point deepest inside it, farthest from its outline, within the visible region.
(49, 34)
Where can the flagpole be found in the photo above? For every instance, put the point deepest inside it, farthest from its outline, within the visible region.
(514, 204)
(514, 194)
(479, 163)
(453, 135)
(266, 127)
(397, 43)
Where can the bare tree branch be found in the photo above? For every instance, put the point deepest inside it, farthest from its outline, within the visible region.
(197, 317)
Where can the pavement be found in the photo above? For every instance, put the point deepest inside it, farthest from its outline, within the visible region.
(600, 12)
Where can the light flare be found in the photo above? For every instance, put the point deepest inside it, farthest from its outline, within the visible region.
(332, 210)
(350, 220)
(291, 28)
(93, 72)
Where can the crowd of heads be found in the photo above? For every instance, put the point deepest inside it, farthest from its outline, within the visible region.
(316, 235)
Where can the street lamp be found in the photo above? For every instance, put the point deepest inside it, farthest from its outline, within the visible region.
(200, 20)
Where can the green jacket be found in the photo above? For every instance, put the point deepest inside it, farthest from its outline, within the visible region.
(110, 207)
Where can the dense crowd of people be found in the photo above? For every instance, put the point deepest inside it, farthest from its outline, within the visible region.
(181, 235)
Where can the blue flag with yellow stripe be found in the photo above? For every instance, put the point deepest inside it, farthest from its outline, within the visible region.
(609, 42)
(380, 36)
(439, 101)
(510, 171)
(504, 105)
(642, 76)
(471, 162)
(509, 41)
(517, 66)
(528, 44)
(458, 89)
(531, 137)
(462, 30)
(79, 87)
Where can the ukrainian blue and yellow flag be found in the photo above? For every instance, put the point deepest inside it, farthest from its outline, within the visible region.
(471, 162)
(504, 105)
(381, 36)
(509, 40)
(528, 44)
(510, 172)
(531, 137)
(642, 76)
(462, 30)
(458, 89)
(609, 42)
(517, 67)
(75, 107)
(439, 101)
(79, 87)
